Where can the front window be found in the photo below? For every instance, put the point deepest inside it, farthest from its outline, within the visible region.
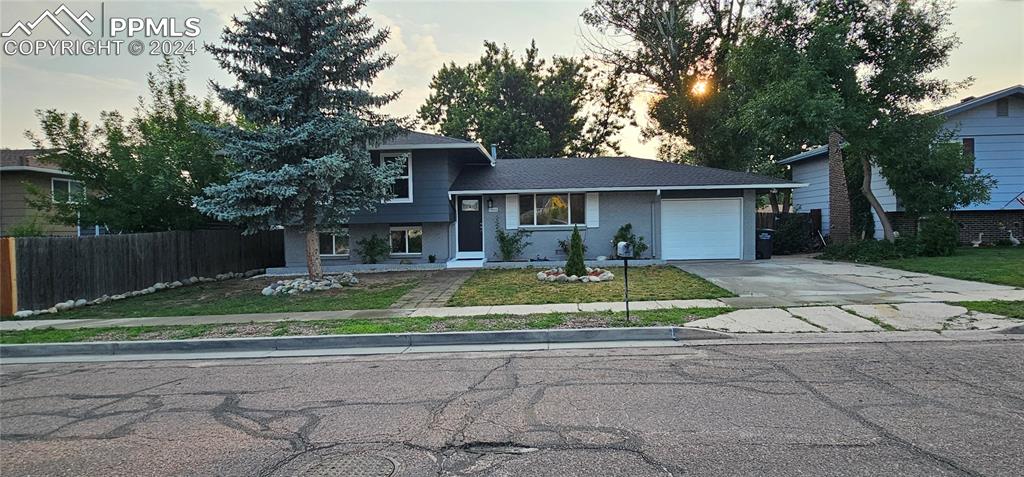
(968, 143)
(66, 191)
(402, 188)
(334, 243)
(552, 209)
(406, 240)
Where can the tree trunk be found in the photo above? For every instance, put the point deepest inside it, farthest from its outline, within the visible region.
(865, 189)
(787, 200)
(773, 199)
(313, 264)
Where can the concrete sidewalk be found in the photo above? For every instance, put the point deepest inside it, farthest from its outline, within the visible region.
(15, 325)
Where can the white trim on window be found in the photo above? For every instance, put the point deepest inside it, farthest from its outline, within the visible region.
(407, 176)
(334, 243)
(568, 205)
(406, 229)
(53, 189)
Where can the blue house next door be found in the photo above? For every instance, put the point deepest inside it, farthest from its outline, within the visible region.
(471, 231)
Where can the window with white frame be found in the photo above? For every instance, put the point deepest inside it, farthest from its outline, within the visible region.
(66, 191)
(334, 244)
(552, 209)
(402, 188)
(406, 240)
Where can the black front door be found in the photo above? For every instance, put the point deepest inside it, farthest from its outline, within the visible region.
(471, 219)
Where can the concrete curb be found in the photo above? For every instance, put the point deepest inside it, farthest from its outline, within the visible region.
(665, 333)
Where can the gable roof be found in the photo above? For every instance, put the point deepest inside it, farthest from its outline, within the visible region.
(964, 105)
(419, 140)
(12, 160)
(604, 173)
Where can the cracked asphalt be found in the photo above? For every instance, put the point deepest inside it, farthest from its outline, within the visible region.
(931, 408)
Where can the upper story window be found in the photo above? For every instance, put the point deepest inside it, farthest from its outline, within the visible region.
(402, 188)
(335, 243)
(552, 209)
(1003, 107)
(968, 143)
(66, 191)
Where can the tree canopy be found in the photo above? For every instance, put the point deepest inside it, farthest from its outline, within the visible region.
(527, 106)
(139, 174)
(304, 71)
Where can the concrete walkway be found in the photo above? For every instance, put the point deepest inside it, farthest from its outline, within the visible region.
(786, 281)
(434, 290)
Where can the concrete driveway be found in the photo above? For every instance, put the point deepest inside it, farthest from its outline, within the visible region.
(801, 280)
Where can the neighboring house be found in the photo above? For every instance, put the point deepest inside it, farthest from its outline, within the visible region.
(20, 168)
(454, 196)
(990, 127)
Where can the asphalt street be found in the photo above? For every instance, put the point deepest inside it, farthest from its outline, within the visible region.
(930, 409)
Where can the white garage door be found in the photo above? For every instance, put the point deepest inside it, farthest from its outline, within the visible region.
(701, 228)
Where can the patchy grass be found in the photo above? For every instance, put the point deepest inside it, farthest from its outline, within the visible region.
(999, 265)
(521, 287)
(375, 291)
(675, 316)
(1009, 309)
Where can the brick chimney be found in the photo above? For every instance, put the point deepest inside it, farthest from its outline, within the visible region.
(838, 196)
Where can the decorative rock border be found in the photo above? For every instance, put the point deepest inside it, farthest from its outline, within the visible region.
(305, 285)
(558, 275)
(71, 304)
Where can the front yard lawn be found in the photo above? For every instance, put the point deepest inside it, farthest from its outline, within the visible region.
(1009, 309)
(375, 291)
(999, 265)
(521, 287)
(664, 317)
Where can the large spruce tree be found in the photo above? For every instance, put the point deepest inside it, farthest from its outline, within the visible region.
(304, 70)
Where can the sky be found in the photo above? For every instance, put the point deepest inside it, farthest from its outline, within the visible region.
(424, 35)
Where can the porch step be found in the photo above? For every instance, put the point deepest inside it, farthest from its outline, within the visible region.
(466, 263)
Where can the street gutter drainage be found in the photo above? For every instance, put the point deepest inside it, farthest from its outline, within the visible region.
(584, 335)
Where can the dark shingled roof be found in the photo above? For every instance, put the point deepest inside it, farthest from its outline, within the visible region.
(24, 158)
(409, 138)
(599, 173)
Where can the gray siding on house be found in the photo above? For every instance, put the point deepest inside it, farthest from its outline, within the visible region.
(431, 176)
(435, 242)
(615, 209)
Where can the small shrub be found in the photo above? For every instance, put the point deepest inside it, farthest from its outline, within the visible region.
(432, 258)
(938, 236)
(511, 244)
(373, 249)
(793, 234)
(625, 234)
(575, 265)
(872, 250)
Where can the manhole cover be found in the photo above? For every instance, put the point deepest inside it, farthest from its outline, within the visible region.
(354, 465)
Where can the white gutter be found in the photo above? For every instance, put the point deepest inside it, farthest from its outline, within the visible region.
(409, 147)
(33, 169)
(614, 189)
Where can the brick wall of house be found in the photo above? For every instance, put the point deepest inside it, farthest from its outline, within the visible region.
(995, 225)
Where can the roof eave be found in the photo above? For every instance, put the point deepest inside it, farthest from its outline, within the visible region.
(789, 185)
(408, 147)
(33, 169)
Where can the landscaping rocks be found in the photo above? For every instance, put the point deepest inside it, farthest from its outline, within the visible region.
(558, 275)
(80, 302)
(304, 285)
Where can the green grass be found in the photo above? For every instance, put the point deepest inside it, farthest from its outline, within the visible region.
(520, 286)
(675, 316)
(241, 296)
(999, 265)
(1009, 309)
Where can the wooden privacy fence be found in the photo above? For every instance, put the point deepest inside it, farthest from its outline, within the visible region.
(46, 270)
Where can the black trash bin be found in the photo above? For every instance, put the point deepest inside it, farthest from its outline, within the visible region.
(765, 237)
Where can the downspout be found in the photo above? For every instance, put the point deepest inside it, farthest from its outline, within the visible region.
(655, 252)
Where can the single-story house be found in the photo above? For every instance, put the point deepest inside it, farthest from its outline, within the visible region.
(990, 128)
(20, 169)
(455, 195)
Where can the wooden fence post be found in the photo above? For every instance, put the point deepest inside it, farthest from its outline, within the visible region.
(8, 277)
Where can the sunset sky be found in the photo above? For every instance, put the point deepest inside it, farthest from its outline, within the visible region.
(425, 35)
